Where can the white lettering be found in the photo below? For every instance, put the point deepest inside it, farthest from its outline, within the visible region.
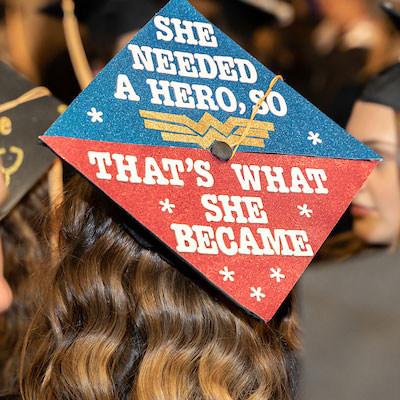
(186, 30)
(205, 32)
(278, 178)
(298, 180)
(219, 95)
(175, 166)
(142, 58)
(204, 234)
(276, 240)
(123, 168)
(185, 63)
(255, 211)
(152, 170)
(232, 204)
(163, 90)
(182, 92)
(247, 240)
(101, 159)
(204, 94)
(164, 60)
(208, 201)
(184, 240)
(201, 168)
(162, 23)
(219, 236)
(248, 178)
(124, 86)
(247, 71)
(225, 66)
(318, 175)
(209, 70)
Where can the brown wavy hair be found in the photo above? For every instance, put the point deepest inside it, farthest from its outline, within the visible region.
(115, 321)
(22, 233)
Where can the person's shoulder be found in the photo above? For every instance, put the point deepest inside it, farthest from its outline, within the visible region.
(384, 88)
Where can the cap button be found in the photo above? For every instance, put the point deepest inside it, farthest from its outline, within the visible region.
(221, 150)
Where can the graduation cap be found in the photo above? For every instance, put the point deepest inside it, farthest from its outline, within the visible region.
(392, 11)
(108, 17)
(26, 111)
(384, 88)
(280, 10)
(244, 16)
(142, 133)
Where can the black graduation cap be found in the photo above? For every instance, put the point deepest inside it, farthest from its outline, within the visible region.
(392, 11)
(278, 10)
(384, 88)
(108, 17)
(26, 112)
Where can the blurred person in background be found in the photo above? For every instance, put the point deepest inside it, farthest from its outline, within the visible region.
(296, 55)
(105, 26)
(351, 45)
(353, 305)
(26, 112)
(25, 245)
(375, 212)
(266, 40)
(3, 54)
(111, 25)
(375, 121)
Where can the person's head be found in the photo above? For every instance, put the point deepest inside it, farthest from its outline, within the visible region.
(376, 208)
(23, 233)
(375, 121)
(118, 322)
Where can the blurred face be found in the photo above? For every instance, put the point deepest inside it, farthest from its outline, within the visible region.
(5, 292)
(376, 208)
(341, 11)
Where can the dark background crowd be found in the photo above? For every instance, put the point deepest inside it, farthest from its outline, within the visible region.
(327, 50)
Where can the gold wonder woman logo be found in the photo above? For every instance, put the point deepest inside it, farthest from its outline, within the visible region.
(180, 128)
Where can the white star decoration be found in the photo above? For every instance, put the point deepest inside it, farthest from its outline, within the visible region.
(305, 211)
(314, 137)
(227, 274)
(257, 293)
(96, 115)
(166, 206)
(276, 274)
